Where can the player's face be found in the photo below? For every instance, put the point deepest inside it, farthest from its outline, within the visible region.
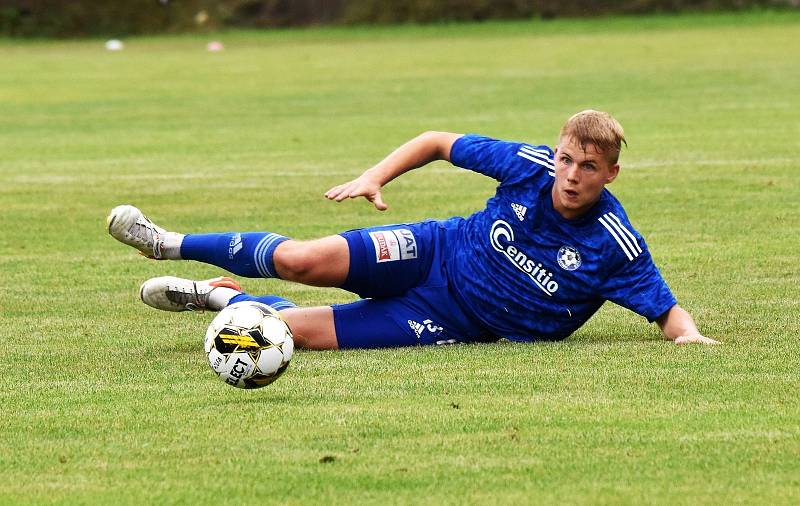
(581, 176)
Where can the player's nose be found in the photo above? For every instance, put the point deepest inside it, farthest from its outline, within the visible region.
(572, 174)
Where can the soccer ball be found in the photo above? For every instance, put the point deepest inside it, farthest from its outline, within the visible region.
(248, 345)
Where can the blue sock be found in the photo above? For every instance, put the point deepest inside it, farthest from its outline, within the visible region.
(246, 254)
(275, 302)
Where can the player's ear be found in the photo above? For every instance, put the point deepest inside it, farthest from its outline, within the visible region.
(613, 171)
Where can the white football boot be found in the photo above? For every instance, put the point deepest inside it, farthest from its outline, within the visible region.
(169, 293)
(129, 226)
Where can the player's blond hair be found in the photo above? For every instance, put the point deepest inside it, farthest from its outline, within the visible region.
(598, 128)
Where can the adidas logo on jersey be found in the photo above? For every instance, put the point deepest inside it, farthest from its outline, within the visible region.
(519, 211)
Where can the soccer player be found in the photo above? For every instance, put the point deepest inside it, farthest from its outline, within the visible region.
(551, 246)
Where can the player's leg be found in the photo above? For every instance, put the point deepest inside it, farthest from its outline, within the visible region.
(322, 262)
(383, 323)
(373, 262)
(365, 324)
(425, 315)
(312, 327)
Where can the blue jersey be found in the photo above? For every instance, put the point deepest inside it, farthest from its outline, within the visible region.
(527, 273)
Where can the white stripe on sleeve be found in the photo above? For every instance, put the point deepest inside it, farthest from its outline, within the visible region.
(622, 235)
(614, 234)
(624, 229)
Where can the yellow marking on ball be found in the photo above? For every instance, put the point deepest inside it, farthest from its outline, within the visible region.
(241, 341)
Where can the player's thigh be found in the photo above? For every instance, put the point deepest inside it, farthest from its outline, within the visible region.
(320, 262)
(312, 327)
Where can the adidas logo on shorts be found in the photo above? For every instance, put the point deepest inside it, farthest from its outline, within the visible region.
(416, 327)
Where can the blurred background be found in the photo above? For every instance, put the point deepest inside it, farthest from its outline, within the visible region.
(75, 18)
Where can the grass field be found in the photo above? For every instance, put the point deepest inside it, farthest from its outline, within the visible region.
(105, 401)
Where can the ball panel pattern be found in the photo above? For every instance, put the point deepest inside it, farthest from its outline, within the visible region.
(248, 345)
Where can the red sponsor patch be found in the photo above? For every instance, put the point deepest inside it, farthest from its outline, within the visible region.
(383, 249)
(391, 245)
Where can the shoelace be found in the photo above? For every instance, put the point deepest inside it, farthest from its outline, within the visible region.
(193, 301)
(147, 234)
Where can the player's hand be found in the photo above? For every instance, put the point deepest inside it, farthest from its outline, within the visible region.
(695, 339)
(363, 186)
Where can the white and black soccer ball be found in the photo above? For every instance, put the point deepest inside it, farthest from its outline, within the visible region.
(249, 345)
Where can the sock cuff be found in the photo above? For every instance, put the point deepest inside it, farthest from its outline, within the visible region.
(171, 245)
(275, 302)
(263, 252)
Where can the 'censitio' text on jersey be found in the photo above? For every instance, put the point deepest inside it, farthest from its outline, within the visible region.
(502, 239)
(526, 272)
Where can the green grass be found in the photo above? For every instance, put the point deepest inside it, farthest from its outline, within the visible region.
(106, 401)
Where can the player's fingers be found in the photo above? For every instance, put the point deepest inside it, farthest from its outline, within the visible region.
(345, 192)
(333, 192)
(683, 340)
(338, 196)
(377, 200)
(341, 188)
(362, 190)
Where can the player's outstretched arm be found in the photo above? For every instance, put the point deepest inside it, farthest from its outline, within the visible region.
(678, 326)
(417, 152)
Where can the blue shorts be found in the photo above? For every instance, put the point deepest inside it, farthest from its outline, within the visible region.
(400, 272)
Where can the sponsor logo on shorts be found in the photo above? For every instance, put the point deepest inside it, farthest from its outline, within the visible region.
(395, 244)
(416, 327)
(426, 324)
(501, 237)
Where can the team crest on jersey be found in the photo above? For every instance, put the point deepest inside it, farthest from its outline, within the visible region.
(569, 258)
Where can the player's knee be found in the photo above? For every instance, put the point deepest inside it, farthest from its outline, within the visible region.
(295, 261)
(312, 328)
(300, 341)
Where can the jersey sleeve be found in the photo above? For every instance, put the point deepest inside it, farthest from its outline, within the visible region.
(506, 162)
(637, 285)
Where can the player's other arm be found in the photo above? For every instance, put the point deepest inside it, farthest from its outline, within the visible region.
(419, 151)
(678, 326)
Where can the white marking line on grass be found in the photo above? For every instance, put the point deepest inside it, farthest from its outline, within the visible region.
(59, 179)
(645, 164)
